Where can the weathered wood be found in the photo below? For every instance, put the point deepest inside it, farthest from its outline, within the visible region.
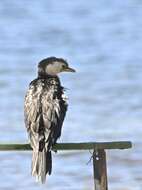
(100, 170)
(72, 146)
(99, 156)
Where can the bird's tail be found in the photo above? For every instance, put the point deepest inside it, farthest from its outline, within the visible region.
(41, 164)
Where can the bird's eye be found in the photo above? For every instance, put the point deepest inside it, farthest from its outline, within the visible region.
(63, 66)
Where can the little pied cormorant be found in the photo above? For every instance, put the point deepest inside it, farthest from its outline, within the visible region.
(45, 109)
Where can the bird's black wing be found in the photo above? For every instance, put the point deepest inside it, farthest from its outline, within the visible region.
(45, 109)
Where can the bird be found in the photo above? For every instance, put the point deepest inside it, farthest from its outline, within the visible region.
(45, 107)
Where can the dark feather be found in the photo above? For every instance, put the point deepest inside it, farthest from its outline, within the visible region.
(45, 110)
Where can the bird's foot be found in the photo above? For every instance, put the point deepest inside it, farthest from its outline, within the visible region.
(54, 150)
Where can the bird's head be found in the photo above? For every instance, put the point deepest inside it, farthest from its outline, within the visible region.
(53, 66)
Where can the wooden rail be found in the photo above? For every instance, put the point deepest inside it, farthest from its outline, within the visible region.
(99, 156)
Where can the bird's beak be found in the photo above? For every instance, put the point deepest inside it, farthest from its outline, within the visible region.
(68, 69)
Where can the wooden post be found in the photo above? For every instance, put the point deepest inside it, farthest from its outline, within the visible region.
(99, 156)
(100, 170)
(72, 146)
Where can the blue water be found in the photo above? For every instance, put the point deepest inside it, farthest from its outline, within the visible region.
(102, 40)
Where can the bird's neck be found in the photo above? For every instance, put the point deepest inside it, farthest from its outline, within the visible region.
(47, 76)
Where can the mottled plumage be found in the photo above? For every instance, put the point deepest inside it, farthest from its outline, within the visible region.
(45, 109)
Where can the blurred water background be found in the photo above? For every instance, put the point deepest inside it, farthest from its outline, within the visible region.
(103, 41)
